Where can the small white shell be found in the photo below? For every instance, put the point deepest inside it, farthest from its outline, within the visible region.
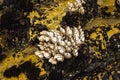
(68, 43)
(62, 30)
(53, 53)
(61, 50)
(62, 43)
(75, 31)
(67, 55)
(83, 39)
(75, 52)
(41, 47)
(39, 54)
(54, 40)
(68, 31)
(70, 5)
(50, 34)
(78, 42)
(82, 11)
(46, 39)
(52, 60)
(46, 54)
(51, 46)
(43, 32)
(41, 38)
(59, 57)
(118, 2)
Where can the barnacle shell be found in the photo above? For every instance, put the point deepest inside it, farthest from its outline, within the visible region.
(118, 1)
(56, 45)
(76, 6)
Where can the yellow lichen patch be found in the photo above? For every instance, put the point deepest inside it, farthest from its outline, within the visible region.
(53, 14)
(18, 59)
(99, 76)
(110, 77)
(43, 72)
(93, 35)
(98, 55)
(85, 78)
(101, 37)
(101, 22)
(32, 15)
(22, 76)
(107, 3)
(32, 34)
(113, 31)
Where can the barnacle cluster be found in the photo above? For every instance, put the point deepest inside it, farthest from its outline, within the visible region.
(55, 45)
(77, 6)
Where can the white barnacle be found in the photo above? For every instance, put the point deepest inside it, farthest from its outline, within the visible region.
(46, 39)
(43, 32)
(59, 57)
(67, 55)
(41, 47)
(61, 43)
(68, 31)
(50, 34)
(46, 54)
(75, 52)
(75, 31)
(59, 38)
(83, 2)
(82, 38)
(70, 5)
(68, 43)
(78, 42)
(118, 2)
(54, 39)
(52, 60)
(51, 46)
(41, 38)
(39, 54)
(61, 49)
(62, 30)
(81, 10)
(68, 49)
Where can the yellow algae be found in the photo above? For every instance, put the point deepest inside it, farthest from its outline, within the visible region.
(99, 76)
(85, 78)
(18, 59)
(22, 76)
(99, 55)
(12, 78)
(110, 77)
(93, 35)
(98, 29)
(31, 34)
(113, 31)
(32, 15)
(109, 67)
(102, 22)
(103, 45)
(43, 72)
(107, 3)
(53, 14)
(101, 36)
